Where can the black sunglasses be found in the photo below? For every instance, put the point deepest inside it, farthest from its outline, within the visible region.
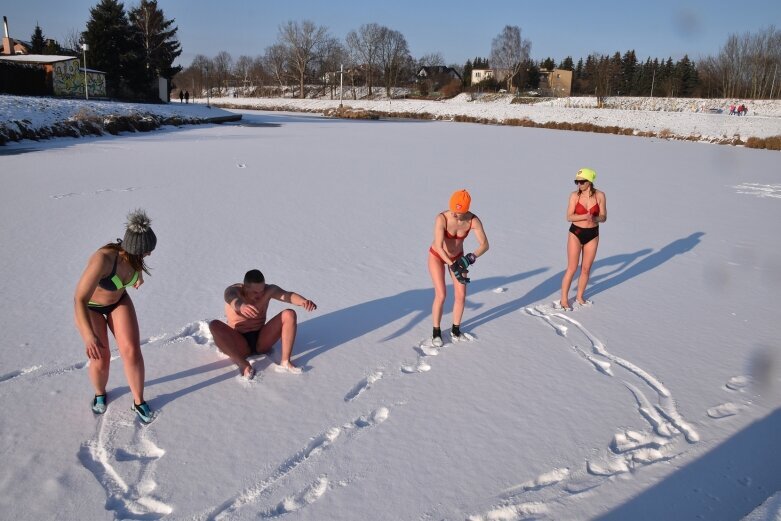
(580, 181)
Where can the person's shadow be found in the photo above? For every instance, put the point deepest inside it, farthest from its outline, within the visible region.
(320, 334)
(622, 268)
(323, 333)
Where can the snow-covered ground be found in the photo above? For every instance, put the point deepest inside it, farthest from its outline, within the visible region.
(662, 400)
(680, 118)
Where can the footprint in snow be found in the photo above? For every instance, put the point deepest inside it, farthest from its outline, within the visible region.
(724, 410)
(241, 165)
(420, 366)
(364, 385)
(738, 383)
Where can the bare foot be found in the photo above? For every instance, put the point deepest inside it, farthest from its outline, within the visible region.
(248, 372)
(564, 305)
(287, 367)
(583, 302)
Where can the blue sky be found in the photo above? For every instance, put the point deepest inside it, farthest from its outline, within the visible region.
(457, 29)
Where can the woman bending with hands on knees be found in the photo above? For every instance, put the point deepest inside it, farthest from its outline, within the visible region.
(101, 303)
(450, 230)
(587, 208)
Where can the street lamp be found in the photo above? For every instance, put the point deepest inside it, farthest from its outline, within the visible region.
(207, 87)
(341, 83)
(85, 48)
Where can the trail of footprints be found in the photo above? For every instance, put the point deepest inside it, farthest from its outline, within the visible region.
(626, 452)
(125, 467)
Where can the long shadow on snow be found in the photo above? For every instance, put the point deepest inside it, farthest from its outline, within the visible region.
(160, 400)
(725, 484)
(626, 266)
(320, 334)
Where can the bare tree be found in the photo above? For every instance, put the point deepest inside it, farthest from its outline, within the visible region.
(747, 66)
(221, 70)
(241, 72)
(393, 57)
(509, 52)
(257, 74)
(364, 47)
(72, 41)
(333, 57)
(431, 59)
(276, 62)
(304, 43)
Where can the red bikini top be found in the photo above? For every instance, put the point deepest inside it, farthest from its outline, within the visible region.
(449, 235)
(581, 210)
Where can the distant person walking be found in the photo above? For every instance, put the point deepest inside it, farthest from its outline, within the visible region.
(181, 96)
(587, 207)
(447, 252)
(732, 110)
(186, 96)
(101, 303)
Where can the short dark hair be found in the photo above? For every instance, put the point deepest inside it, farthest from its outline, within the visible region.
(254, 276)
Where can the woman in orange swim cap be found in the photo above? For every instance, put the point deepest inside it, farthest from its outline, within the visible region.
(450, 229)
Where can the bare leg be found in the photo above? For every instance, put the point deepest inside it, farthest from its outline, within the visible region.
(589, 254)
(282, 327)
(99, 369)
(437, 270)
(124, 325)
(573, 256)
(459, 300)
(233, 344)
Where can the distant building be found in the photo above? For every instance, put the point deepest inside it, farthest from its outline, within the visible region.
(556, 82)
(64, 77)
(438, 72)
(479, 75)
(11, 46)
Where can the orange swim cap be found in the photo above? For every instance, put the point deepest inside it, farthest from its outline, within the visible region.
(459, 201)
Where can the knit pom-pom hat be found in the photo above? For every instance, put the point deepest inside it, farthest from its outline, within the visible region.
(139, 237)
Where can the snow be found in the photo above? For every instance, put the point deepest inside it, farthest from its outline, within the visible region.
(660, 400)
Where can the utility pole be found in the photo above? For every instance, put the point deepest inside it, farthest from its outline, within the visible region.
(653, 78)
(341, 83)
(207, 87)
(85, 48)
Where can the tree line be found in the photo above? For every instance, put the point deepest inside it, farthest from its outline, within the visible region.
(132, 47)
(306, 58)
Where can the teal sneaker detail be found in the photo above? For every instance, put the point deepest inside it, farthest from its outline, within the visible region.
(143, 412)
(99, 404)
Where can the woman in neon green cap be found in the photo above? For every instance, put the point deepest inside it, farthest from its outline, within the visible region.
(587, 208)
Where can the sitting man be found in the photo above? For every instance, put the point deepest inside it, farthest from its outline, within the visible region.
(247, 331)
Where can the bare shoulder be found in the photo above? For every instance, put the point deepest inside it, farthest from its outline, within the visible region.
(273, 291)
(103, 256)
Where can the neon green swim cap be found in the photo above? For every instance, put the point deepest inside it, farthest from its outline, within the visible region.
(587, 174)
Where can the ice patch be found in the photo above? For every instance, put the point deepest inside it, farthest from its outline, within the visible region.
(759, 190)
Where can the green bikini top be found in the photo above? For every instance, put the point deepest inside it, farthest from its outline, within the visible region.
(112, 282)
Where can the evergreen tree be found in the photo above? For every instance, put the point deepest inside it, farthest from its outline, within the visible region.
(687, 76)
(157, 35)
(567, 64)
(37, 41)
(548, 64)
(113, 48)
(52, 47)
(466, 79)
(628, 73)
